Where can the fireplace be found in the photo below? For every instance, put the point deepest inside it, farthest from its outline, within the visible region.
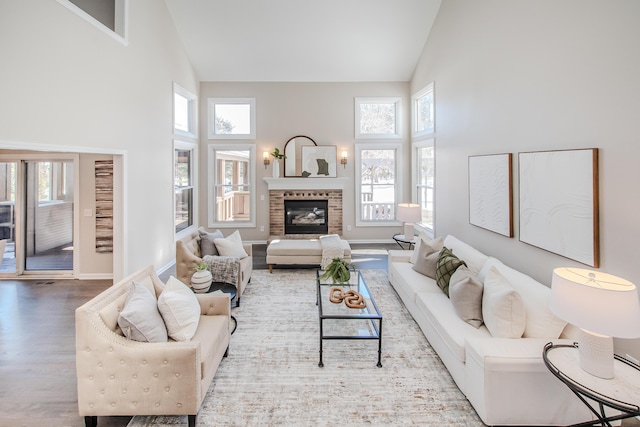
(306, 217)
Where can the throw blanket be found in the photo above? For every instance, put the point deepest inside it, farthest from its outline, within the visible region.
(223, 268)
(331, 248)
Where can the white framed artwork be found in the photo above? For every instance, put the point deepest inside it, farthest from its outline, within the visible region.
(490, 193)
(559, 203)
(319, 161)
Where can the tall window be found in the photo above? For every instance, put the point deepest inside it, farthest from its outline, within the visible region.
(185, 150)
(379, 183)
(232, 118)
(231, 185)
(183, 182)
(423, 144)
(424, 167)
(378, 118)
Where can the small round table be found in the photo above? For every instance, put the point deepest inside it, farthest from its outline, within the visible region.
(230, 289)
(401, 239)
(619, 393)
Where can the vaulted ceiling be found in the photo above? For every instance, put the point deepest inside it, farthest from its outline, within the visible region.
(302, 40)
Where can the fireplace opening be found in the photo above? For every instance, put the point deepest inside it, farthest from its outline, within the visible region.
(306, 217)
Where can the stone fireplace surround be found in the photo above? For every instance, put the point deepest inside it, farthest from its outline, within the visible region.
(281, 189)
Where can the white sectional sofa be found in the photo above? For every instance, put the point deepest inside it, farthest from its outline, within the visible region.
(505, 379)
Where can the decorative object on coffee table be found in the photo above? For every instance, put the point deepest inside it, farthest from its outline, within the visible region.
(351, 298)
(201, 279)
(338, 270)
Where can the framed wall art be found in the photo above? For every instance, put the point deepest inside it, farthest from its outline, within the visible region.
(319, 161)
(491, 193)
(559, 203)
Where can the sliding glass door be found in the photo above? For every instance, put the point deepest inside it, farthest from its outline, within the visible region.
(8, 185)
(48, 243)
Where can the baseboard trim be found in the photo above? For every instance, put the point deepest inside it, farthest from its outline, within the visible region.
(96, 276)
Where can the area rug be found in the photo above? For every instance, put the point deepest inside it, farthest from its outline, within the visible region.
(271, 376)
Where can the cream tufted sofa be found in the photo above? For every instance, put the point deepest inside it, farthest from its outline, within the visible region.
(188, 254)
(118, 376)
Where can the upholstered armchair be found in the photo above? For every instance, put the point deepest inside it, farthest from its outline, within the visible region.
(188, 254)
(118, 376)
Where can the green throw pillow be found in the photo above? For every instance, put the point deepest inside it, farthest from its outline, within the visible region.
(447, 264)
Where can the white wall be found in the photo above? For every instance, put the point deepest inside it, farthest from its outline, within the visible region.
(322, 111)
(66, 84)
(528, 76)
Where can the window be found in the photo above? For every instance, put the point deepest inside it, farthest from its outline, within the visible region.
(185, 112)
(184, 175)
(423, 113)
(424, 176)
(185, 156)
(109, 16)
(378, 118)
(231, 185)
(54, 180)
(232, 118)
(379, 183)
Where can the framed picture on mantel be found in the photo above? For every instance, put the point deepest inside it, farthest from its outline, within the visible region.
(319, 161)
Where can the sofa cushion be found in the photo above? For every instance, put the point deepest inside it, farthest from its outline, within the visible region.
(471, 256)
(465, 291)
(427, 258)
(140, 319)
(450, 327)
(207, 245)
(180, 310)
(503, 311)
(447, 264)
(231, 245)
(541, 322)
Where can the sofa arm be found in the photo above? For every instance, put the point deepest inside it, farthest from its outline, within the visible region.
(185, 262)
(396, 255)
(214, 304)
(248, 248)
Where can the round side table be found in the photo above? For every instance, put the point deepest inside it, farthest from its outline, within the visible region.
(230, 289)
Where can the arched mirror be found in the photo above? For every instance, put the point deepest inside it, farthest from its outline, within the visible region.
(293, 151)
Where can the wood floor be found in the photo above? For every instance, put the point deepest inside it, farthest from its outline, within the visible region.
(37, 345)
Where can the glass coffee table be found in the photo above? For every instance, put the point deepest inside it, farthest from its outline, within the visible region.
(339, 322)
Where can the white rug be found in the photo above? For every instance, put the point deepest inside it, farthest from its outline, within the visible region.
(272, 378)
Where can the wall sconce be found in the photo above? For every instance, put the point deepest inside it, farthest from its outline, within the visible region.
(265, 159)
(343, 160)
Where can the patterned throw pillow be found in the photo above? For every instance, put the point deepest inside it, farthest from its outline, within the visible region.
(447, 264)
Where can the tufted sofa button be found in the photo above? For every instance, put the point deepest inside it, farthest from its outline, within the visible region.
(112, 377)
(110, 349)
(135, 376)
(124, 391)
(113, 404)
(91, 405)
(146, 389)
(134, 403)
(155, 375)
(165, 362)
(122, 361)
(100, 364)
(90, 377)
(179, 405)
(144, 362)
(167, 389)
(101, 391)
(157, 404)
(87, 349)
(177, 374)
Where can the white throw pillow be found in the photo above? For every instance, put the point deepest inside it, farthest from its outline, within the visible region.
(503, 311)
(180, 310)
(140, 319)
(423, 238)
(231, 245)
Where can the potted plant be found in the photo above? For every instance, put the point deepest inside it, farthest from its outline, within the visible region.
(276, 164)
(338, 270)
(201, 279)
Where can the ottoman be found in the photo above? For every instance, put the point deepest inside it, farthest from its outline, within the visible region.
(299, 251)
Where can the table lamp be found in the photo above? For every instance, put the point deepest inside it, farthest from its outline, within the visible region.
(409, 213)
(603, 306)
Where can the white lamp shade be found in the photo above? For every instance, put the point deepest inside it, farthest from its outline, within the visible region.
(409, 212)
(595, 301)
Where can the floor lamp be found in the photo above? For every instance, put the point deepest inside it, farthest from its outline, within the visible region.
(602, 306)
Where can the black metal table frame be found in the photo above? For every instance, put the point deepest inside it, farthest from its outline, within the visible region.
(215, 286)
(628, 410)
(371, 317)
(400, 241)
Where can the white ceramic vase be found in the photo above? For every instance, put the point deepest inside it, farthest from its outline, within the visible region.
(276, 168)
(201, 281)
